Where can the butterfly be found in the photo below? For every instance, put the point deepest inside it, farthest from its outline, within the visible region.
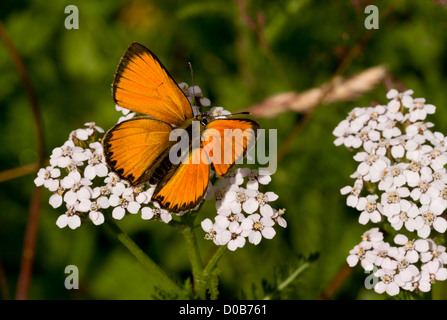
(139, 149)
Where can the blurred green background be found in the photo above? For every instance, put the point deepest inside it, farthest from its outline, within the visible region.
(242, 52)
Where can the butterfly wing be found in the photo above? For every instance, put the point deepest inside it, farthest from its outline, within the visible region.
(227, 141)
(136, 148)
(143, 85)
(185, 185)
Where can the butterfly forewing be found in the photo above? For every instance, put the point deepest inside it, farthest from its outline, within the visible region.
(226, 141)
(143, 85)
(135, 148)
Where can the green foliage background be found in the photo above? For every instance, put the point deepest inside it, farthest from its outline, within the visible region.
(72, 70)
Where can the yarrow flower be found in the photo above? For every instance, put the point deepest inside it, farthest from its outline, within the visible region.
(400, 179)
(255, 228)
(82, 183)
(409, 265)
(148, 213)
(244, 212)
(48, 177)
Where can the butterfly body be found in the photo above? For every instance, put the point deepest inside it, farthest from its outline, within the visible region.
(141, 150)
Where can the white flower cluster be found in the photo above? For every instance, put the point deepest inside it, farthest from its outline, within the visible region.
(242, 210)
(81, 182)
(400, 177)
(412, 265)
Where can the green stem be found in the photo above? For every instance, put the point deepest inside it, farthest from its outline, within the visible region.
(165, 281)
(212, 262)
(287, 281)
(212, 280)
(194, 257)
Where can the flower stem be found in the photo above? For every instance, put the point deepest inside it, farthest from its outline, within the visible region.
(166, 282)
(287, 281)
(210, 278)
(194, 256)
(212, 262)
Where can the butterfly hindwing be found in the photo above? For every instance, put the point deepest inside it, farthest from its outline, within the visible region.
(143, 85)
(227, 141)
(184, 187)
(135, 148)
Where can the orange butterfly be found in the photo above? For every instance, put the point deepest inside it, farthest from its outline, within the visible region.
(138, 149)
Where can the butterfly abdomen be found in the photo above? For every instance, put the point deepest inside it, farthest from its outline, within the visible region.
(161, 170)
(172, 158)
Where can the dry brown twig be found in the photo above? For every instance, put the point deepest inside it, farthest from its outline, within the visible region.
(337, 90)
(30, 238)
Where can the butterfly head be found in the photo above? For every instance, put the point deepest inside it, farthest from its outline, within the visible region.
(204, 118)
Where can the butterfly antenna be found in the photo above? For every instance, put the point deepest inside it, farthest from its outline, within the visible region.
(192, 85)
(243, 112)
(237, 113)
